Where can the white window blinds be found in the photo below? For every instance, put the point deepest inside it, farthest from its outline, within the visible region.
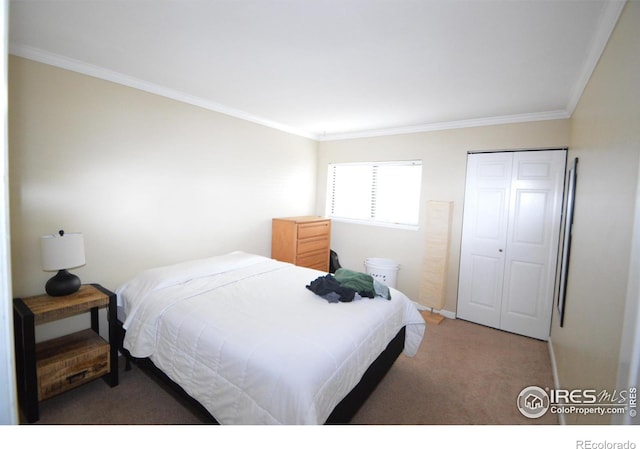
(375, 192)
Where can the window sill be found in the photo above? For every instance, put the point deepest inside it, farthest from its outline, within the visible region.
(376, 223)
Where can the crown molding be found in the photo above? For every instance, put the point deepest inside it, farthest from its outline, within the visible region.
(608, 20)
(84, 68)
(471, 123)
(75, 65)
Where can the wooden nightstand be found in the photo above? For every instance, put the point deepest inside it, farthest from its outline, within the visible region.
(54, 366)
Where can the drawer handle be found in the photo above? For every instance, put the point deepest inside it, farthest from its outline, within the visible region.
(77, 376)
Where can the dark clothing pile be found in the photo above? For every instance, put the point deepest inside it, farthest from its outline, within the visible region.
(331, 290)
(343, 286)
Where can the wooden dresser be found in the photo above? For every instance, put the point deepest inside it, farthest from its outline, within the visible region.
(303, 241)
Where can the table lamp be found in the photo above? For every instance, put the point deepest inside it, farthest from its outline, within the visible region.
(60, 252)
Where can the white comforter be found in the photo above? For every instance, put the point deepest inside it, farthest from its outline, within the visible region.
(242, 335)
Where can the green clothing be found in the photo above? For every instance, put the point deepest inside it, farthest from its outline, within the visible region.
(363, 283)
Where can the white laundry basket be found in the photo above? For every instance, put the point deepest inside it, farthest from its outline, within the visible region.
(383, 270)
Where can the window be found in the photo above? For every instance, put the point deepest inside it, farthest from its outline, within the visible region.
(375, 192)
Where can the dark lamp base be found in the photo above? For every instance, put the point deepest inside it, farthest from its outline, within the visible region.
(62, 284)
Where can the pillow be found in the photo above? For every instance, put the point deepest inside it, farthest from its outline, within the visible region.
(137, 288)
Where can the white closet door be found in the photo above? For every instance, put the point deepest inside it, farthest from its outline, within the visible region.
(532, 242)
(511, 226)
(484, 234)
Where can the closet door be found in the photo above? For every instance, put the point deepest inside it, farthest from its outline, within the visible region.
(532, 242)
(511, 226)
(484, 235)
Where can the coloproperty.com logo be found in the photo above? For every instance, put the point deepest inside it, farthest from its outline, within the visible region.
(534, 402)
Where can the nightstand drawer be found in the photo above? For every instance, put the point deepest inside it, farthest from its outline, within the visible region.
(69, 361)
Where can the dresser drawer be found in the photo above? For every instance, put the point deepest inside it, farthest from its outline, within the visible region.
(312, 245)
(318, 260)
(69, 361)
(320, 266)
(314, 229)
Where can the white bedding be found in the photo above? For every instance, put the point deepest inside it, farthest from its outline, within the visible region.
(242, 335)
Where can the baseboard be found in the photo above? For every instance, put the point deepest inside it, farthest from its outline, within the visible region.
(556, 379)
(447, 314)
(444, 313)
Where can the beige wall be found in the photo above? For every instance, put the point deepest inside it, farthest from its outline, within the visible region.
(605, 136)
(148, 180)
(444, 158)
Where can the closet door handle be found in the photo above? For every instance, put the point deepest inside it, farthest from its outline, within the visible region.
(500, 250)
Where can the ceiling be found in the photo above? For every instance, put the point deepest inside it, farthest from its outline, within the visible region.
(331, 69)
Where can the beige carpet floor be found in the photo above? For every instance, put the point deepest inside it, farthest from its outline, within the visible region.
(463, 374)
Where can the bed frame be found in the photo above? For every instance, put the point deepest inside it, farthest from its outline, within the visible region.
(341, 414)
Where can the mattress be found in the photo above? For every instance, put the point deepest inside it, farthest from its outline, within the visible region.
(241, 334)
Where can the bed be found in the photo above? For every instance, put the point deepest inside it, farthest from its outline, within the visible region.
(242, 335)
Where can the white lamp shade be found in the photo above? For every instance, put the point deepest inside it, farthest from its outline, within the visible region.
(60, 252)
